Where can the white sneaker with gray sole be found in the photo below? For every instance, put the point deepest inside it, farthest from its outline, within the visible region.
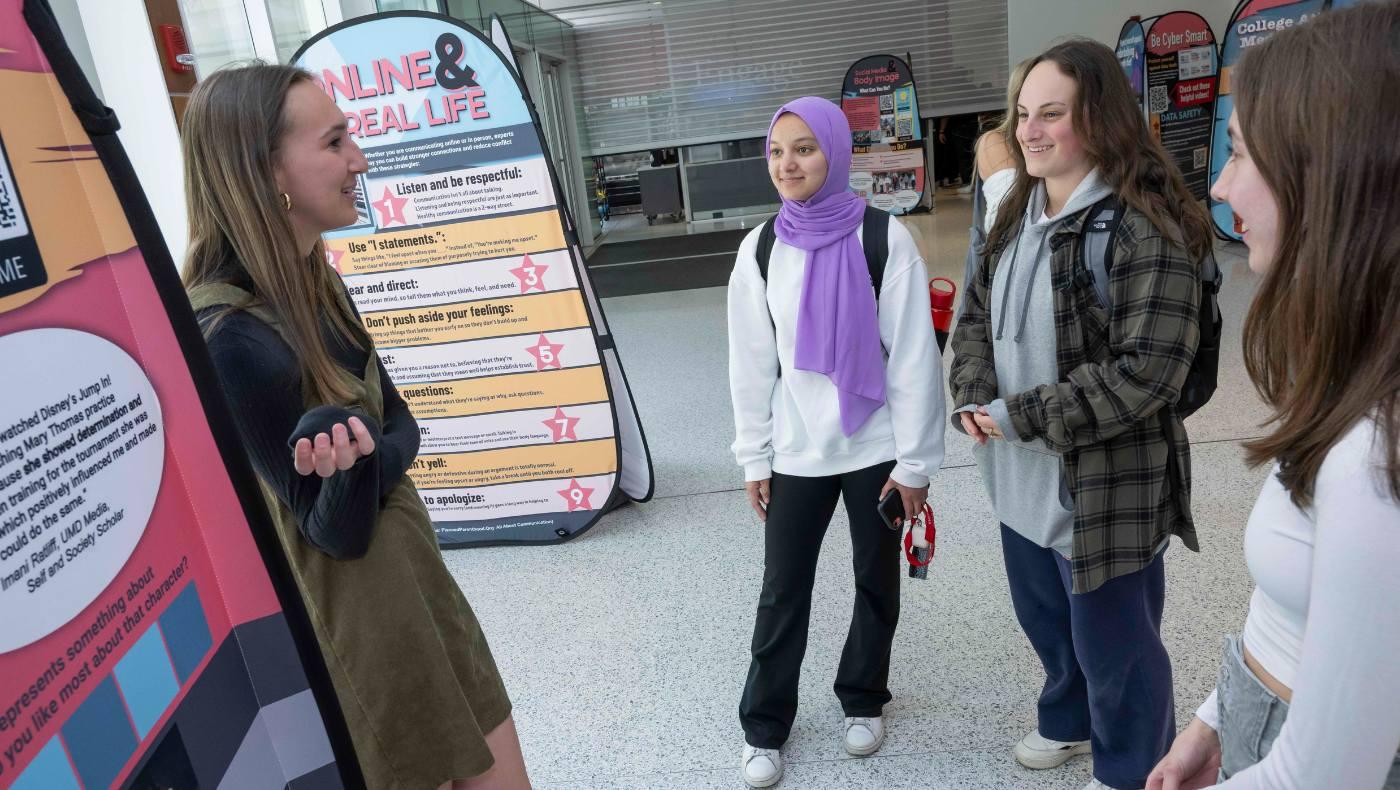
(864, 735)
(1038, 752)
(761, 767)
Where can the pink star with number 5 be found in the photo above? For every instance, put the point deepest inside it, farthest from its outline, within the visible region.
(577, 496)
(391, 209)
(546, 354)
(562, 425)
(530, 275)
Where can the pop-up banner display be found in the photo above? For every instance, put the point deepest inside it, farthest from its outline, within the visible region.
(1179, 85)
(466, 271)
(150, 635)
(887, 146)
(1132, 55)
(1252, 23)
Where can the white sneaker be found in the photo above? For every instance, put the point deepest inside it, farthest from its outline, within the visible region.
(864, 735)
(1038, 752)
(761, 767)
(965, 189)
(1095, 784)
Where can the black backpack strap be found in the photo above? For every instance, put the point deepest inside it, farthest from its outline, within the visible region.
(1096, 243)
(979, 202)
(766, 237)
(875, 240)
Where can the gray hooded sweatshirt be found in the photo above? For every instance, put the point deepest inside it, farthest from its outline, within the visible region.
(1025, 480)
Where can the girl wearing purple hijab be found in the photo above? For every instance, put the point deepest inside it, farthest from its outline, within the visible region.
(835, 396)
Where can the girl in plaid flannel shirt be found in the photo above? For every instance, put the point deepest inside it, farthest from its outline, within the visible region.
(1071, 398)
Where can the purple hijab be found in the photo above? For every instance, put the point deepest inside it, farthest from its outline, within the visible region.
(838, 333)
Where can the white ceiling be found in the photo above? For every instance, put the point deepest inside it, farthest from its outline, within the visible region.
(565, 9)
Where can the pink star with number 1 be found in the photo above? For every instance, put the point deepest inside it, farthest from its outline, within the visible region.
(562, 425)
(530, 275)
(333, 258)
(577, 496)
(546, 354)
(390, 209)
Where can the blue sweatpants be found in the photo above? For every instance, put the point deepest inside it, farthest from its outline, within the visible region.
(1108, 679)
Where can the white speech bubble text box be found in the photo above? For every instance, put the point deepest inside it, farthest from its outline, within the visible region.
(82, 450)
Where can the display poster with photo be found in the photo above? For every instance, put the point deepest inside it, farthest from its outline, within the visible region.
(1253, 23)
(1132, 55)
(150, 633)
(467, 275)
(1180, 84)
(887, 145)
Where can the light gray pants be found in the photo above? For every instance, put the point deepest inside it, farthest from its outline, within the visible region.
(1251, 717)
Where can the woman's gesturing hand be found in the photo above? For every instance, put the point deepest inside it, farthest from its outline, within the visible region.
(333, 452)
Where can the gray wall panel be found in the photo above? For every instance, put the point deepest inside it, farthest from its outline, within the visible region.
(691, 71)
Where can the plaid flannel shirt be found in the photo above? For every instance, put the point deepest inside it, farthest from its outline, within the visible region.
(1118, 368)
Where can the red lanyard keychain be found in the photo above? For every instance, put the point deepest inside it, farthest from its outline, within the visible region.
(920, 556)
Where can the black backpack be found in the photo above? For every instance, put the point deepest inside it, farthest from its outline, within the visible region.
(1096, 247)
(875, 239)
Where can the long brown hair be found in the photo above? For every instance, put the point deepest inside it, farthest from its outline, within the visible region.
(1005, 129)
(233, 126)
(1322, 338)
(1108, 120)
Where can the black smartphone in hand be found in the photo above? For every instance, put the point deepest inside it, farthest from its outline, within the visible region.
(891, 509)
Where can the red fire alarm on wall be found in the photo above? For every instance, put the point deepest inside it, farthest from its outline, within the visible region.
(177, 50)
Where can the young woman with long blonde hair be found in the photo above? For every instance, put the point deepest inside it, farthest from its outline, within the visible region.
(269, 167)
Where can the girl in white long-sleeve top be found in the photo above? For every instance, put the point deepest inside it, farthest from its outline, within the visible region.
(1309, 694)
(837, 394)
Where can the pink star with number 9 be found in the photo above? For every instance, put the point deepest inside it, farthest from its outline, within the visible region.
(562, 425)
(577, 496)
(546, 354)
(530, 275)
(390, 209)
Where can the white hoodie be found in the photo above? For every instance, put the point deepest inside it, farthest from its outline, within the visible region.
(792, 423)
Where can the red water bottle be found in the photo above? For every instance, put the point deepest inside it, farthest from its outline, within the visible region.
(940, 302)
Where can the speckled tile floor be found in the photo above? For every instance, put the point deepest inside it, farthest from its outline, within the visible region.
(625, 650)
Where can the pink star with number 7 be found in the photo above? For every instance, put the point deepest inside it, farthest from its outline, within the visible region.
(530, 275)
(577, 496)
(562, 425)
(390, 209)
(546, 354)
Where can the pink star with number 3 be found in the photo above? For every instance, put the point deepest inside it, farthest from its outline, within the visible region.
(391, 209)
(562, 425)
(546, 354)
(530, 275)
(577, 496)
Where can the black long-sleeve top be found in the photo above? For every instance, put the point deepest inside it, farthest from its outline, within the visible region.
(262, 380)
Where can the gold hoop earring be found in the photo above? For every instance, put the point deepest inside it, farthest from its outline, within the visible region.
(286, 201)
